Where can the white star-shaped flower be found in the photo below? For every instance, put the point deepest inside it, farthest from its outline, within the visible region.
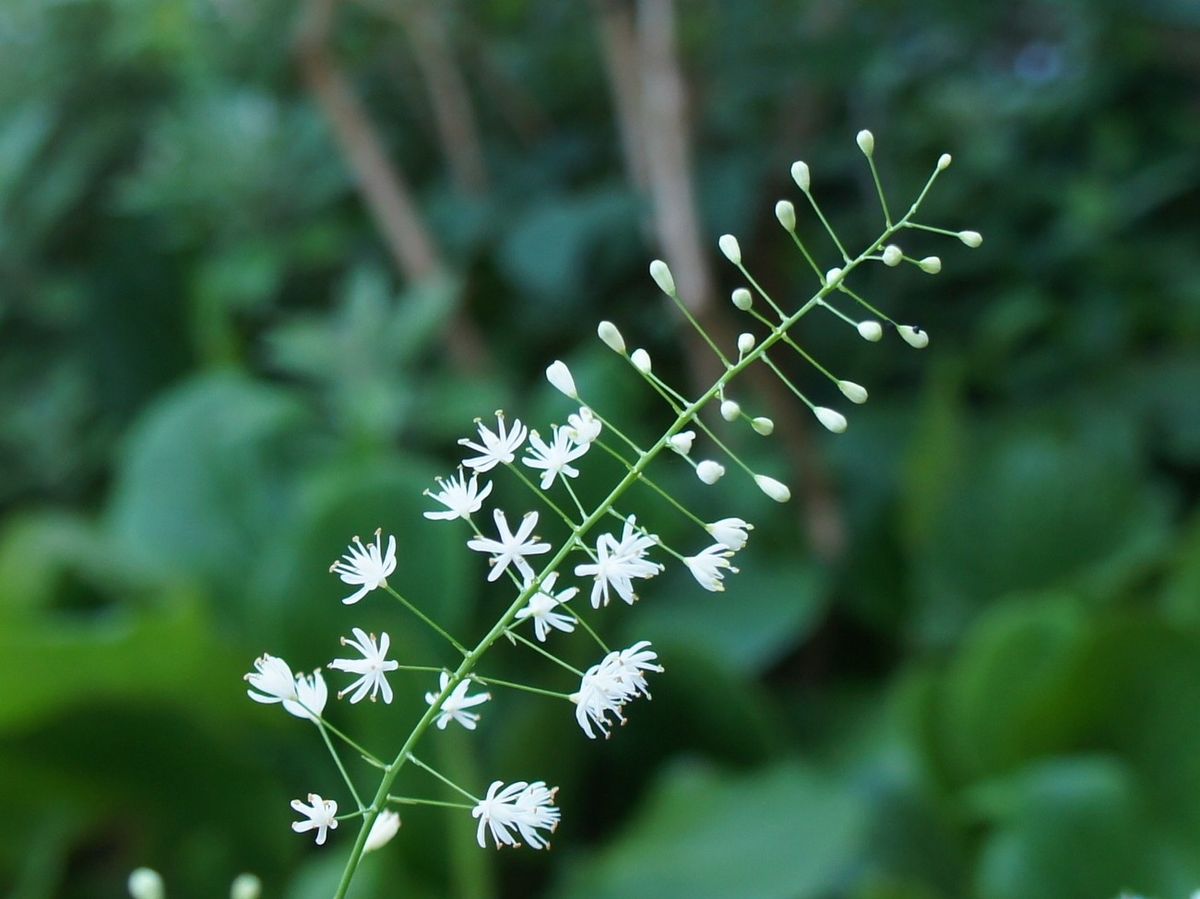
(583, 426)
(541, 608)
(367, 566)
(372, 668)
(607, 686)
(320, 814)
(510, 548)
(456, 704)
(301, 696)
(497, 448)
(462, 498)
(524, 807)
(730, 532)
(554, 458)
(617, 562)
(708, 567)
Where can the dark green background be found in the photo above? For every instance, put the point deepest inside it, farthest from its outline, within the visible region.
(212, 375)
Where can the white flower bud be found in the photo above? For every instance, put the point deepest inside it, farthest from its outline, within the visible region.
(870, 330)
(559, 376)
(729, 246)
(832, 275)
(730, 410)
(944, 162)
(382, 831)
(609, 334)
(145, 883)
(786, 213)
(855, 393)
(971, 238)
(913, 336)
(800, 175)
(777, 490)
(641, 361)
(763, 425)
(682, 442)
(892, 255)
(662, 277)
(930, 265)
(245, 886)
(745, 342)
(866, 142)
(730, 532)
(709, 471)
(831, 418)
(742, 299)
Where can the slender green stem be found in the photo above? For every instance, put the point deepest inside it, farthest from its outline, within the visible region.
(920, 227)
(429, 621)
(645, 458)
(578, 504)
(784, 378)
(409, 800)
(787, 338)
(545, 497)
(758, 288)
(877, 312)
(828, 229)
(887, 216)
(812, 262)
(579, 619)
(370, 757)
(551, 656)
(337, 760)
(515, 686)
(687, 313)
(447, 781)
(610, 426)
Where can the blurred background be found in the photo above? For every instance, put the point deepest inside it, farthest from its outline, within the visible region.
(262, 263)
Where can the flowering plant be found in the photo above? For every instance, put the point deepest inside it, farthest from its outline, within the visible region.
(607, 550)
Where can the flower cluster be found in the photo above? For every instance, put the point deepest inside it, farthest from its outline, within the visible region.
(606, 687)
(523, 807)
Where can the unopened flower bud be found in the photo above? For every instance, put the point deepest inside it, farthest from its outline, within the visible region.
(662, 277)
(730, 247)
(382, 831)
(944, 162)
(786, 213)
(832, 275)
(866, 142)
(609, 334)
(559, 376)
(800, 175)
(971, 238)
(763, 425)
(730, 410)
(682, 442)
(641, 361)
(855, 393)
(777, 490)
(245, 886)
(930, 265)
(831, 418)
(145, 883)
(913, 336)
(731, 533)
(742, 299)
(709, 471)
(745, 342)
(892, 255)
(870, 330)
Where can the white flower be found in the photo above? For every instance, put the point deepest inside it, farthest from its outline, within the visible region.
(366, 566)
(742, 299)
(777, 490)
(641, 361)
(541, 608)
(943, 162)
(272, 677)
(870, 330)
(763, 425)
(245, 886)
(607, 686)
(913, 336)
(866, 142)
(662, 277)
(709, 471)
(462, 498)
(320, 814)
(311, 696)
(856, 393)
(730, 410)
(970, 238)
(832, 419)
(608, 332)
(146, 883)
(682, 442)
(510, 548)
(560, 378)
(709, 566)
(745, 342)
(786, 213)
(382, 831)
(524, 807)
(635, 542)
(499, 448)
(800, 175)
(892, 255)
(583, 427)
(729, 246)
(372, 668)
(730, 532)
(618, 562)
(456, 704)
(930, 265)
(556, 457)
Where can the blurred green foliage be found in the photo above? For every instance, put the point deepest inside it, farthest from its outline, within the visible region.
(212, 377)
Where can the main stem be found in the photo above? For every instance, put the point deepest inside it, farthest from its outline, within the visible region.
(631, 477)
